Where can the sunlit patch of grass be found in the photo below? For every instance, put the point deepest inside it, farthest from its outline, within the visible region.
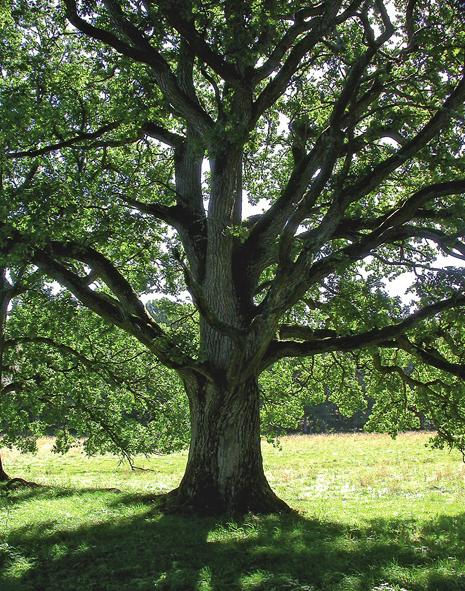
(374, 515)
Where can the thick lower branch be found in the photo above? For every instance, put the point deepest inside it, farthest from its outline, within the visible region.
(279, 349)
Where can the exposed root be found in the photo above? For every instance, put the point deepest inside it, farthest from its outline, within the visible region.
(263, 502)
(90, 489)
(20, 482)
(143, 469)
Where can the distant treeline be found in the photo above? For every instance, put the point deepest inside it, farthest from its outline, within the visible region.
(326, 418)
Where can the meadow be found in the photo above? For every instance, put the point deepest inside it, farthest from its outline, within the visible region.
(373, 514)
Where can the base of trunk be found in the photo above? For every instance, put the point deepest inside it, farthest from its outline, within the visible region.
(260, 500)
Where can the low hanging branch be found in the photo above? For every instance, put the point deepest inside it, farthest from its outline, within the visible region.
(324, 341)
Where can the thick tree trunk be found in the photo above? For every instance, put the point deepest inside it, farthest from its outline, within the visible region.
(224, 472)
(3, 475)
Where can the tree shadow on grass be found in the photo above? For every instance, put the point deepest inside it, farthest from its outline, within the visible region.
(143, 549)
(23, 494)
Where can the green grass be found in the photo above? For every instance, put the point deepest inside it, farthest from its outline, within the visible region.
(374, 515)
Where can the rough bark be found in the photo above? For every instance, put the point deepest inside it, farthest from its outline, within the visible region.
(224, 472)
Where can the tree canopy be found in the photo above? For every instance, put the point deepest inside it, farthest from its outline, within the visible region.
(136, 138)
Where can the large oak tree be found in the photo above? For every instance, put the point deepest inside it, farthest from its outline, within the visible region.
(135, 133)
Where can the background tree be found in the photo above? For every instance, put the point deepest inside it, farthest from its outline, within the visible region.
(344, 118)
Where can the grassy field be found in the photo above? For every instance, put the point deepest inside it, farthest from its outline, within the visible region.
(374, 515)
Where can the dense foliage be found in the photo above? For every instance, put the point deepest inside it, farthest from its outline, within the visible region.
(68, 374)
